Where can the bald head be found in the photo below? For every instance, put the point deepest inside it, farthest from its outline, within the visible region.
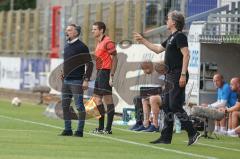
(235, 80)
(235, 84)
(218, 80)
(218, 76)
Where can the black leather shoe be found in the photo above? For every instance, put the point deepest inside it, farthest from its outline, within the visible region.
(78, 134)
(66, 133)
(160, 141)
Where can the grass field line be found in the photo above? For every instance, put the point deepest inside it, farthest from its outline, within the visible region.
(154, 147)
(93, 124)
(113, 138)
(24, 101)
(220, 142)
(26, 130)
(32, 122)
(220, 147)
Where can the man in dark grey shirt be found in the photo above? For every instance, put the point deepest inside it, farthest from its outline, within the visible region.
(176, 59)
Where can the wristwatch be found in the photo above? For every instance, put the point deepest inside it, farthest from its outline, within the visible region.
(183, 74)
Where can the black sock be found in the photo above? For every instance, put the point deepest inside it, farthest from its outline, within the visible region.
(101, 119)
(110, 112)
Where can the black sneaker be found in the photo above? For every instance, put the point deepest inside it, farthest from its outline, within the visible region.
(194, 138)
(98, 131)
(66, 133)
(78, 134)
(160, 141)
(107, 131)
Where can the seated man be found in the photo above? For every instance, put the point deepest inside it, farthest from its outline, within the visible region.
(152, 105)
(234, 111)
(225, 98)
(151, 96)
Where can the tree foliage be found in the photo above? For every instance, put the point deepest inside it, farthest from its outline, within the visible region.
(18, 4)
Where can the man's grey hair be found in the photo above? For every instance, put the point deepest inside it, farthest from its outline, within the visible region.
(178, 18)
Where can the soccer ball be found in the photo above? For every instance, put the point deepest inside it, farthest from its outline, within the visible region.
(16, 102)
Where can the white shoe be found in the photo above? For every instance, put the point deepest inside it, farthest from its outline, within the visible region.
(232, 134)
(222, 132)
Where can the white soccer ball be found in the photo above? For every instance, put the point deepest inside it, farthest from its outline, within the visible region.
(16, 101)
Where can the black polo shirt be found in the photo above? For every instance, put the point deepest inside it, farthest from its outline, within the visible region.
(173, 55)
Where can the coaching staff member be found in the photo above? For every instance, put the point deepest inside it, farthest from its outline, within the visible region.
(176, 59)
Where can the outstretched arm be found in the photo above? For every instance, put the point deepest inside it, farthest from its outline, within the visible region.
(155, 48)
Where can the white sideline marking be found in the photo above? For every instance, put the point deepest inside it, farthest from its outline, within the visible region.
(32, 122)
(115, 139)
(25, 130)
(220, 147)
(90, 123)
(155, 147)
(220, 142)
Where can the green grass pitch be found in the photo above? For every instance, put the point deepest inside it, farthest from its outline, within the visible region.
(25, 133)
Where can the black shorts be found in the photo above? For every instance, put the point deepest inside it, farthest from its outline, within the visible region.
(102, 86)
(150, 91)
